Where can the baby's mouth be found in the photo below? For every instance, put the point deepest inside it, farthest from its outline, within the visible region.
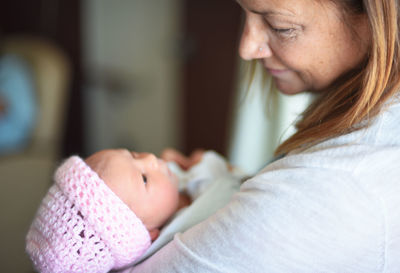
(172, 177)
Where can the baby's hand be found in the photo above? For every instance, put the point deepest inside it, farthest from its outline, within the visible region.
(185, 162)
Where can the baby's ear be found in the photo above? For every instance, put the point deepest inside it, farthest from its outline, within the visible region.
(154, 234)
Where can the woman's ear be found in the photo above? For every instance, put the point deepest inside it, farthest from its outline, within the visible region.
(154, 234)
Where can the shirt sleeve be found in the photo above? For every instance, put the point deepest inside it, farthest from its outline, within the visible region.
(284, 220)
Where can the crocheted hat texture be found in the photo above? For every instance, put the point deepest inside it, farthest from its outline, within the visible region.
(82, 225)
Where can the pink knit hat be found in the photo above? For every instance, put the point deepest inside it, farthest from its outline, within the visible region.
(82, 226)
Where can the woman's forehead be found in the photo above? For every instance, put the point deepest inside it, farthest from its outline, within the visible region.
(284, 7)
(303, 12)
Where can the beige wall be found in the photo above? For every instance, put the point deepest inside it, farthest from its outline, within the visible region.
(133, 68)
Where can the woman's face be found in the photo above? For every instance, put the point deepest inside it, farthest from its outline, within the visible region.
(304, 44)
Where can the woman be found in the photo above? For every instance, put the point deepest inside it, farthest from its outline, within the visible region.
(330, 204)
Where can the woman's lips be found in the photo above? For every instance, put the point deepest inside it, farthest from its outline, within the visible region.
(276, 72)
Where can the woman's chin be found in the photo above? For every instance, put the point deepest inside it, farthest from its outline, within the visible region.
(288, 88)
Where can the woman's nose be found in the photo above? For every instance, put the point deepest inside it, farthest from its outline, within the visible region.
(254, 42)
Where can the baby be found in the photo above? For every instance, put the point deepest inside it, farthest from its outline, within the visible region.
(92, 223)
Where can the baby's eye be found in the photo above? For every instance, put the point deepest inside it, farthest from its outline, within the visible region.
(144, 178)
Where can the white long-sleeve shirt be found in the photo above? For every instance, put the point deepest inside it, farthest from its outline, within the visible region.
(332, 208)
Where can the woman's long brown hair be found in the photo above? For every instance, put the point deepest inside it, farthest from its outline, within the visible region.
(361, 94)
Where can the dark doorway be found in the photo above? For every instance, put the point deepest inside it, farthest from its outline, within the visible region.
(211, 39)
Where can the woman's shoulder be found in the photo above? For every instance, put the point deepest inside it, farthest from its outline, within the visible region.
(358, 174)
(355, 151)
(354, 178)
(366, 159)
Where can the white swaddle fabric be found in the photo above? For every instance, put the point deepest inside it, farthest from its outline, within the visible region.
(210, 184)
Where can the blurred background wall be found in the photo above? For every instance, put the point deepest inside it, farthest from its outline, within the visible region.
(140, 74)
(133, 70)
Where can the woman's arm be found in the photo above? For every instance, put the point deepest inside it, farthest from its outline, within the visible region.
(290, 220)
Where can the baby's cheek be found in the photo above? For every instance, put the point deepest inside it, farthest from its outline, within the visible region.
(173, 200)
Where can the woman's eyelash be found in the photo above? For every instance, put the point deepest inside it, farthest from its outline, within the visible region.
(280, 31)
(283, 30)
(144, 178)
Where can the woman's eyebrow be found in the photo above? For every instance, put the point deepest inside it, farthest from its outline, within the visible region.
(271, 12)
(268, 12)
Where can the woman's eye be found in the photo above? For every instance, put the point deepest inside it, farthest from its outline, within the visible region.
(283, 30)
(144, 178)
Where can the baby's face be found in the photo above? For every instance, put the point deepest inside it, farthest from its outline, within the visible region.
(141, 180)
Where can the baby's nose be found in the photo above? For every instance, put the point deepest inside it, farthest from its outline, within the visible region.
(148, 158)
